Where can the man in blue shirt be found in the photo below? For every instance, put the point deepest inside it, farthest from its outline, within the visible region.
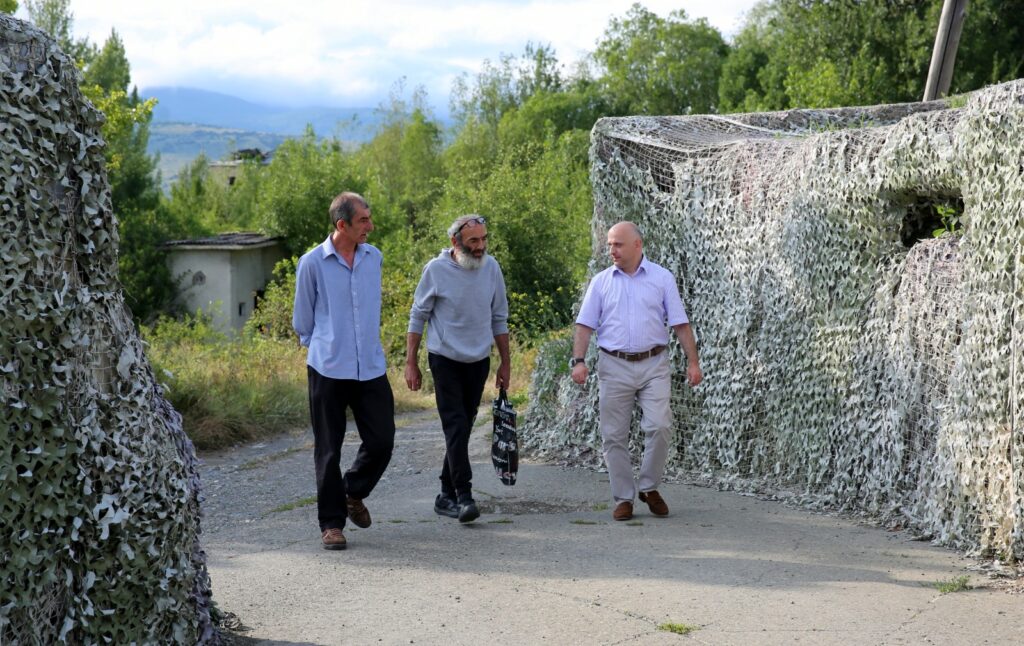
(337, 316)
(629, 305)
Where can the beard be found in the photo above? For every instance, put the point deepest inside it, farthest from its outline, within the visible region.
(467, 260)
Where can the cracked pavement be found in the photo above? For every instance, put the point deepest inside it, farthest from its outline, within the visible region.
(546, 564)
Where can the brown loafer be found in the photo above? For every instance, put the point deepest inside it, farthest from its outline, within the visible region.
(623, 511)
(357, 512)
(654, 502)
(333, 539)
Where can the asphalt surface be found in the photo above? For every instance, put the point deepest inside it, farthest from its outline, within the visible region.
(546, 564)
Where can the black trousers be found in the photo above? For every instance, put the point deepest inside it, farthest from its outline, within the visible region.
(458, 388)
(373, 407)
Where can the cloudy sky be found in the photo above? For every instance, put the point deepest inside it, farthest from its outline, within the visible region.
(350, 53)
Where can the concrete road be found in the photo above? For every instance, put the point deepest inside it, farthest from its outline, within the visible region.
(546, 564)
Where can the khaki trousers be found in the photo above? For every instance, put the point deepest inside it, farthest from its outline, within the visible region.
(620, 384)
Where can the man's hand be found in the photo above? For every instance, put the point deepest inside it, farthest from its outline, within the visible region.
(413, 377)
(503, 376)
(580, 372)
(693, 374)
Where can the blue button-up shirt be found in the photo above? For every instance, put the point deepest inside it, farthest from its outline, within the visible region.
(630, 313)
(337, 312)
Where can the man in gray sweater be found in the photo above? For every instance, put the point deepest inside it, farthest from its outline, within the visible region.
(461, 299)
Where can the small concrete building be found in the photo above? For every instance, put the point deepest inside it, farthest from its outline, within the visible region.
(224, 275)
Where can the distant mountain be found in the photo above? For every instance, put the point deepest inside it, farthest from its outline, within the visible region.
(189, 105)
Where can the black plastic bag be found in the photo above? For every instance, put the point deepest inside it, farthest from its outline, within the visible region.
(504, 443)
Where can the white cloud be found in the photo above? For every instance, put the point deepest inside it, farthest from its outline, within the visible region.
(351, 52)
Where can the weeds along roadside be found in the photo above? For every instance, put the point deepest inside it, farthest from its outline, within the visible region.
(236, 389)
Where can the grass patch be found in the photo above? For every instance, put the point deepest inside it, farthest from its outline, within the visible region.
(601, 506)
(267, 459)
(232, 390)
(409, 420)
(228, 390)
(410, 401)
(580, 521)
(302, 502)
(679, 629)
(634, 523)
(959, 584)
(500, 521)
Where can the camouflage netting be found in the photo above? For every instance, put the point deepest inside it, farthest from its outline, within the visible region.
(99, 510)
(845, 363)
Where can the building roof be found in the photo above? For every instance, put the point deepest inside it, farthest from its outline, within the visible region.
(239, 157)
(236, 240)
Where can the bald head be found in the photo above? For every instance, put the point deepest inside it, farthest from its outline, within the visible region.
(627, 229)
(625, 246)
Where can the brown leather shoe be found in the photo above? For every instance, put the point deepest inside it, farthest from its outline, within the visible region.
(654, 502)
(333, 539)
(623, 511)
(357, 512)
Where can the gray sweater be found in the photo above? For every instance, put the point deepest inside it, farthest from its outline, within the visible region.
(464, 308)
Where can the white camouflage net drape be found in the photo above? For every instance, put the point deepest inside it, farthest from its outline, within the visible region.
(843, 363)
(99, 485)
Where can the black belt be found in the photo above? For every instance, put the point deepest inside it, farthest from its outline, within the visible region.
(635, 356)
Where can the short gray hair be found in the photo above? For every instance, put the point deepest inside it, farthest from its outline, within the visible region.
(343, 207)
(455, 230)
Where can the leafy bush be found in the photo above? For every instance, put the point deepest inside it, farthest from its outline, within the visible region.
(273, 316)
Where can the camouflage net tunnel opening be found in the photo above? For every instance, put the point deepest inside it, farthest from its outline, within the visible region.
(846, 364)
(99, 511)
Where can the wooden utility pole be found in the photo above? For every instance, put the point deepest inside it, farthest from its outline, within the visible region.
(947, 38)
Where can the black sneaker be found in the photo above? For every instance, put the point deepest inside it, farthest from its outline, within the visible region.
(446, 506)
(467, 510)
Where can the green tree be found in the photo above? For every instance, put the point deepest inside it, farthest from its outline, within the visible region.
(420, 168)
(8, 6)
(812, 53)
(198, 199)
(505, 107)
(546, 113)
(991, 46)
(296, 192)
(654, 65)
(538, 204)
(502, 86)
(403, 162)
(144, 224)
(109, 69)
(739, 87)
(205, 205)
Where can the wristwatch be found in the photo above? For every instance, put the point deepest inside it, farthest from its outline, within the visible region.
(574, 361)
